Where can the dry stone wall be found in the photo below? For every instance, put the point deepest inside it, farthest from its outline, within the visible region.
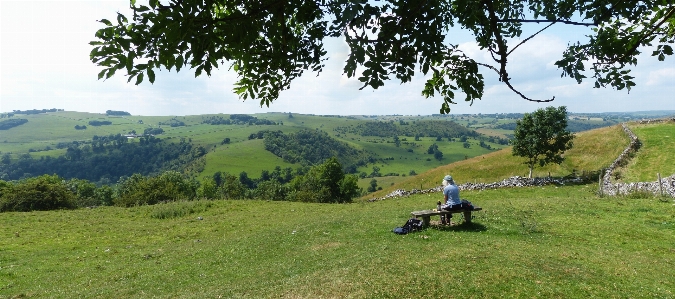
(512, 182)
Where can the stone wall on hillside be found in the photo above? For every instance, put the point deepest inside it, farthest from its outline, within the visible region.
(667, 187)
(608, 187)
(512, 182)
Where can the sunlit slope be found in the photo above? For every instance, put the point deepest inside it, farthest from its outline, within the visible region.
(249, 156)
(592, 150)
(657, 154)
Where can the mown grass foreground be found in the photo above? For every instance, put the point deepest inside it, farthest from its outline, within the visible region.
(560, 242)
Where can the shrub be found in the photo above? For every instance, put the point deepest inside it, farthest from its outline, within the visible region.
(208, 189)
(140, 190)
(179, 209)
(271, 190)
(43, 193)
(324, 183)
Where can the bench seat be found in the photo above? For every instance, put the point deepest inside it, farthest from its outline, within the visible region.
(426, 214)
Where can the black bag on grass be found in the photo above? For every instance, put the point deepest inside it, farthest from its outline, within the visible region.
(410, 226)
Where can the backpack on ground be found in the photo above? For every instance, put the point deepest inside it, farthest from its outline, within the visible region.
(412, 225)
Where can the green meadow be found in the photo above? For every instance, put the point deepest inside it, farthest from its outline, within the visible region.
(561, 242)
(655, 156)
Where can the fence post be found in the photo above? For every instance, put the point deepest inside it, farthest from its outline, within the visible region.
(600, 183)
(658, 174)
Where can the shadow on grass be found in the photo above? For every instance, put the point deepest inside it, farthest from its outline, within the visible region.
(462, 227)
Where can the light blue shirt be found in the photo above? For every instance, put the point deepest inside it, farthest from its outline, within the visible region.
(453, 194)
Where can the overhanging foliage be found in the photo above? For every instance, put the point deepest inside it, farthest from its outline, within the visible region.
(270, 43)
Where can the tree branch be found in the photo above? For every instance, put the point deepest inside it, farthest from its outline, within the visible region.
(633, 48)
(529, 38)
(501, 51)
(546, 21)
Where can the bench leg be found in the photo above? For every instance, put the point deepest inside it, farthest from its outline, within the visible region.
(426, 220)
(467, 216)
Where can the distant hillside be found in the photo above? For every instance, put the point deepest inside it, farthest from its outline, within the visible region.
(421, 128)
(592, 150)
(395, 145)
(312, 147)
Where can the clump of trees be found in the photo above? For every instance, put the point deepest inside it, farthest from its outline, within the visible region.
(433, 150)
(153, 131)
(430, 128)
(82, 127)
(36, 111)
(311, 147)
(117, 113)
(172, 123)
(237, 119)
(11, 123)
(97, 123)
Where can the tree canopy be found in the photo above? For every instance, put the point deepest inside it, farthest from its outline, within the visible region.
(269, 43)
(542, 137)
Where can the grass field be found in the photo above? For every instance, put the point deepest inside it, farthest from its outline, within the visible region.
(592, 151)
(655, 155)
(535, 242)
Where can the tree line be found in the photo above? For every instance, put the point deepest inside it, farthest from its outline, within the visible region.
(97, 123)
(117, 113)
(422, 128)
(36, 111)
(323, 183)
(172, 123)
(106, 158)
(11, 123)
(237, 119)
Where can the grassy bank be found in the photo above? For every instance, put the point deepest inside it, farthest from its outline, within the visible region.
(532, 242)
(655, 155)
(592, 151)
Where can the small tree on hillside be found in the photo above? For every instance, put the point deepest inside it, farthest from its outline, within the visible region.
(542, 137)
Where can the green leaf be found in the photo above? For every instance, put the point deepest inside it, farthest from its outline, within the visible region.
(179, 62)
(101, 74)
(105, 21)
(94, 43)
(142, 8)
(130, 61)
(121, 19)
(151, 76)
(111, 72)
(139, 79)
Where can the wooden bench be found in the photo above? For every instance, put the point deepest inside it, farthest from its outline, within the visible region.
(426, 214)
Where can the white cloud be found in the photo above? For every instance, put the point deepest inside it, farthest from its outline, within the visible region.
(661, 76)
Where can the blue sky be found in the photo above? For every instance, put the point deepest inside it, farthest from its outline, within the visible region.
(44, 63)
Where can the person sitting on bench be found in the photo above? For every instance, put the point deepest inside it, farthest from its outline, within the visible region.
(450, 198)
